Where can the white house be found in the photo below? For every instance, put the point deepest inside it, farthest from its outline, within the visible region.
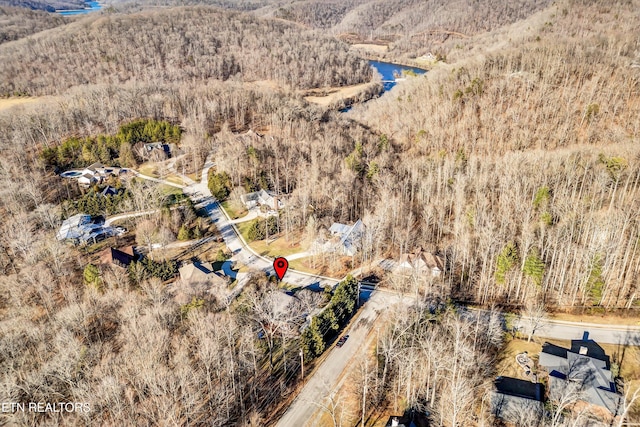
(261, 198)
(80, 228)
(420, 262)
(96, 172)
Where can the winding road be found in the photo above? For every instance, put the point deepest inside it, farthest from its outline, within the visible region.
(329, 375)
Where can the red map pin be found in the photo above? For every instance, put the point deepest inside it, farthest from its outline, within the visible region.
(280, 265)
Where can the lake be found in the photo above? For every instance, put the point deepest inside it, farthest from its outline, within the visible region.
(91, 6)
(390, 72)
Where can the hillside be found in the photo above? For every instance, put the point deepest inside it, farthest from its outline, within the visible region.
(517, 160)
(176, 45)
(533, 146)
(16, 22)
(45, 5)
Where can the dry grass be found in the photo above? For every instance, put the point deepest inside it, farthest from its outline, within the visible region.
(604, 318)
(334, 94)
(318, 265)
(148, 169)
(368, 47)
(175, 179)
(6, 103)
(277, 247)
(274, 248)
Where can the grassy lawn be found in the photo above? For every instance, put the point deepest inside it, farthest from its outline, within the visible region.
(305, 264)
(319, 266)
(275, 248)
(170, 190)
(148, 169)
(234, 209)
(175, 179)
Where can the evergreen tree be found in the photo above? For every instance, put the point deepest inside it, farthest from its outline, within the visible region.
(312, 340)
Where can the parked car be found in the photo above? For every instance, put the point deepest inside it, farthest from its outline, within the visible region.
(342, 340)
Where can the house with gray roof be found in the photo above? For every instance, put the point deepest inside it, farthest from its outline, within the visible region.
(350, 237)
(80, 228)
(585, 365)
(201, 272)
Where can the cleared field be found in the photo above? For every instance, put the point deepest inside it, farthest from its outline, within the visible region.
(335, 93)
(377, 48)
(6, 103)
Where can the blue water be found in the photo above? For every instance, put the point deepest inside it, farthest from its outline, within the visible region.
(391, 71)
(91, 6)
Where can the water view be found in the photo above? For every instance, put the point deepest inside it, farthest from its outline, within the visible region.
(392, 72)
(91, 6)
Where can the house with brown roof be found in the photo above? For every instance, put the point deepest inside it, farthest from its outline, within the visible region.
(420, 262)
(119, 257)
(201, 272)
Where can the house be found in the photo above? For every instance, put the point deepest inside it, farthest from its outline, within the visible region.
(514, 399)
(80, 228)
(87, 179)
(119, 257)
(156, 151)
(96, 172)
(400, 422)
(76, 227)
(261, 198)
(350, 237)
(420, 262)
(201, 272)
(110, 191)
(584, 368)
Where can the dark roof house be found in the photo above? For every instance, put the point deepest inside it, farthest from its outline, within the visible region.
(119, 257)
(586, 365)
(514, 399)
(110, 191)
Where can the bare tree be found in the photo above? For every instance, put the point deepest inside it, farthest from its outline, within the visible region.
(534, 317)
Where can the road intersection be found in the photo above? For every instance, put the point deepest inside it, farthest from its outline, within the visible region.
(331, 372)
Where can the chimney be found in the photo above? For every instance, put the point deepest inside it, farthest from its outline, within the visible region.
(394, 422)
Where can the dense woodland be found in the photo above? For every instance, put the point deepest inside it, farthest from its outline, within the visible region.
(517, 160)
(178, 45)
(45, 5)
(16, 23)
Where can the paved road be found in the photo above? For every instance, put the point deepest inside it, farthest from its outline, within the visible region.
(605, 334)
(241, 251)
(327, 377)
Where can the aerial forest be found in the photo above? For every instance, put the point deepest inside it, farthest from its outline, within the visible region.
(515, 158)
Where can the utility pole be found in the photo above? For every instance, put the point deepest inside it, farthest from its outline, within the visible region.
(302, 362)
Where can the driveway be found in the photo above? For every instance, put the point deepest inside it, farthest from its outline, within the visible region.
(242, 253)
